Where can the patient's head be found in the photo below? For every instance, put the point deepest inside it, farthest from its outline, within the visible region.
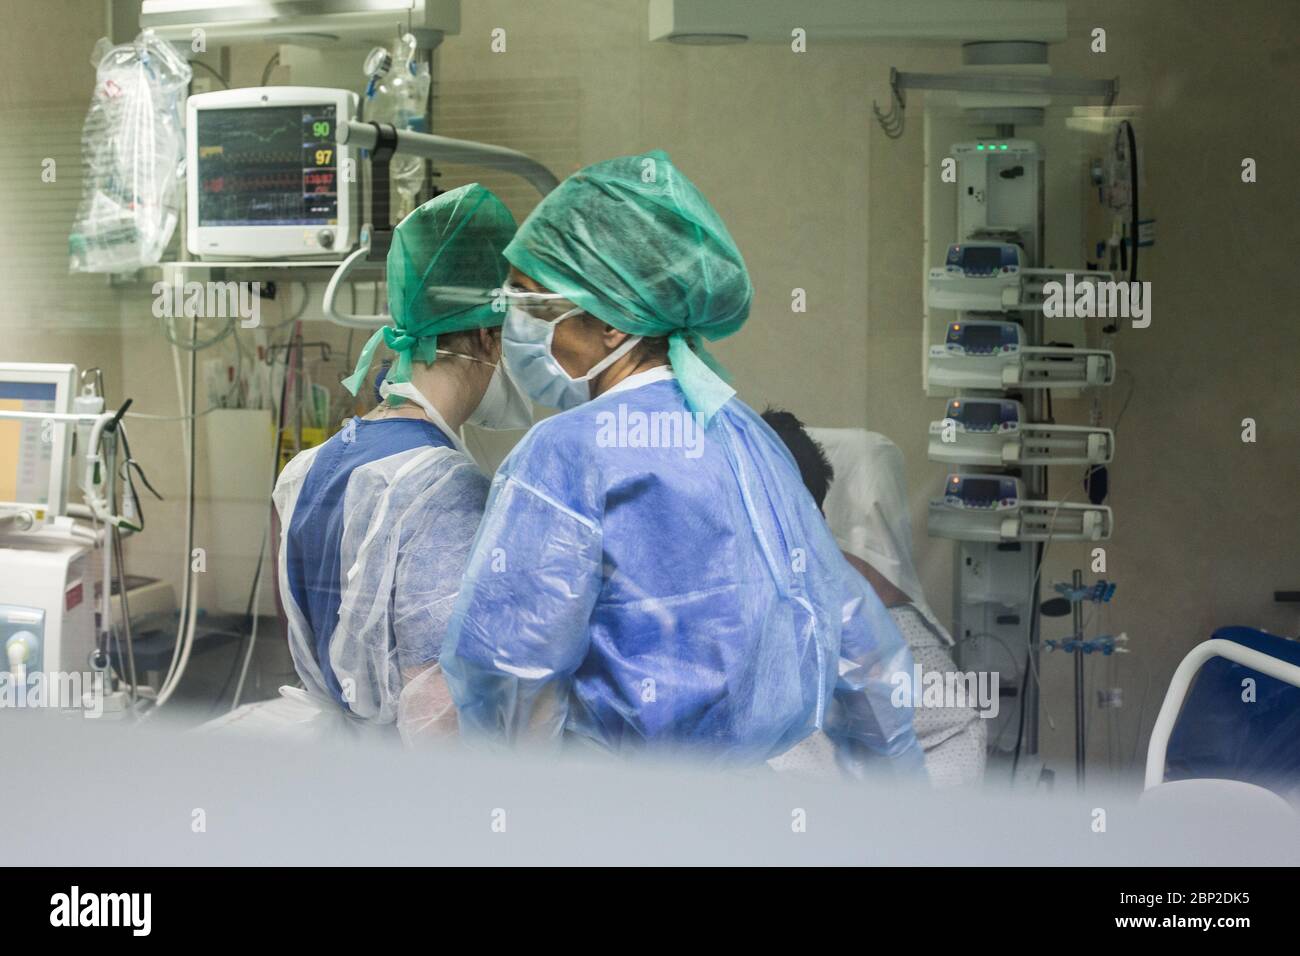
(814, 467)
(817, 474)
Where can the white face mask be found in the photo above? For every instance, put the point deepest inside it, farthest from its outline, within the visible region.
(526, 349)
(503, 406)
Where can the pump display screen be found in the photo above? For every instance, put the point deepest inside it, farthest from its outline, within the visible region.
(985, 259)
(975, 492)
(979, 338)
(981, 414)
(267, 166)
(981, 489)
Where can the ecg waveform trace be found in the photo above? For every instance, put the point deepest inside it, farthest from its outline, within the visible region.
(237, 135)
(267, 166)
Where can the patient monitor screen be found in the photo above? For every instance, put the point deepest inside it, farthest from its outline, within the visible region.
(268, 166)
(25, 448)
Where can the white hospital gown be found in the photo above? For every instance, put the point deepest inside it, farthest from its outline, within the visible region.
(953, 738)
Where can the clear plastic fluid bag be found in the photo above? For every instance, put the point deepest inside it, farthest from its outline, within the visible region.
(133, 148)
(398, 94)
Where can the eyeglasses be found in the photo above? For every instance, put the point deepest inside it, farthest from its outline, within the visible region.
(548, 306)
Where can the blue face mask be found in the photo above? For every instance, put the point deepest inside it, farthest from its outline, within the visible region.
(526, 349)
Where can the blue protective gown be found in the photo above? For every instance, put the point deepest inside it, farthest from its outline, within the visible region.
(375, 529)
(641, 583)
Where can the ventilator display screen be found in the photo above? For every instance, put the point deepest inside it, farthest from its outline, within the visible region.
(267, 166)
(25, 448)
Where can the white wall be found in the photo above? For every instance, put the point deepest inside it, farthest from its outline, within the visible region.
(47, 315)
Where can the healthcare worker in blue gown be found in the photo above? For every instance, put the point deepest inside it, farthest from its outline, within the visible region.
(376, 523)
(651, 574)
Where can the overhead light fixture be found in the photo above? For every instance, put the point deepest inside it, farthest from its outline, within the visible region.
(707, 39)
(304, 39)
(853, 21)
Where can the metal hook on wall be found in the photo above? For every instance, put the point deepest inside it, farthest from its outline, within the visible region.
(891, 122)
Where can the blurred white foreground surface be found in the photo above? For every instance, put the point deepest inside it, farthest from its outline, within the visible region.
(94, 792)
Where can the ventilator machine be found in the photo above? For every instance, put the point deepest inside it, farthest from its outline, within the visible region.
(56, 555)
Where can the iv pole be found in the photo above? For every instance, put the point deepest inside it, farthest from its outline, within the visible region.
(382, 140)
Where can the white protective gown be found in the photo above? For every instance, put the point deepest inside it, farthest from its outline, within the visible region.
(375, 530)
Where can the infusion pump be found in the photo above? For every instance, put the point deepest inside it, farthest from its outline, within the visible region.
(994, 508)
(990, 276)
(993, 432)
(977, 277)
(990, 354)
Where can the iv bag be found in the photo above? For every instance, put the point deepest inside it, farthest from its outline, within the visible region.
(133, 151)
(398, 94)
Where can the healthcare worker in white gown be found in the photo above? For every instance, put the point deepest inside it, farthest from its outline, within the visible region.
(376, 523)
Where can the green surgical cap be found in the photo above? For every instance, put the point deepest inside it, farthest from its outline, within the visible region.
(634, 243)
(444, 265)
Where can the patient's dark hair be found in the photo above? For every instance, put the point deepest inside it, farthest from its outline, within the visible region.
(814, 467)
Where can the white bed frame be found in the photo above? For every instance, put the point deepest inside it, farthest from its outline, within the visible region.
(1182, 680)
